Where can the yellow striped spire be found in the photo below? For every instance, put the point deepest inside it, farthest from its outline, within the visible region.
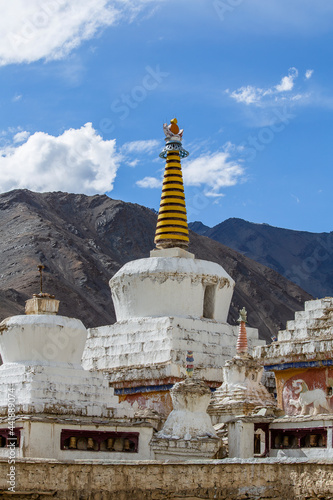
(172, 229)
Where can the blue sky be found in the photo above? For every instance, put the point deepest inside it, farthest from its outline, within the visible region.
(86, 86)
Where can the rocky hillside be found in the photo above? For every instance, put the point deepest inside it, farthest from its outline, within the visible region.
(83, 240)
(302, 257)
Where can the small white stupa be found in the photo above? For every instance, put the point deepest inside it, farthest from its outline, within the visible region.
(50, 407)
(242, 390)
(188, 432)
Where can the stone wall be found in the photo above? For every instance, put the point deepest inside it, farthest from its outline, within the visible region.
(227, 479)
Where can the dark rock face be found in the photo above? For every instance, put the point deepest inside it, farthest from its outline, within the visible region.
(302, 257)
(83, 241)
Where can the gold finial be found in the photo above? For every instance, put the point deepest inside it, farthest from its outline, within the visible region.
(172, 133)
(173, 127)
(242, 315)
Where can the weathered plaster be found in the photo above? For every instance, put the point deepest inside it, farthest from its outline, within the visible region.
(233, 479)
(155, 348)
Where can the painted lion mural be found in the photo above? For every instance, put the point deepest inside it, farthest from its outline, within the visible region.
(315, 397)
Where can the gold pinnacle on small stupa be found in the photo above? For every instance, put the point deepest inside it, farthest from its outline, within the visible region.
(172, 228)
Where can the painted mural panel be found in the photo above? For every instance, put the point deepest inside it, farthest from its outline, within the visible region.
(158, 401)
(307, 392)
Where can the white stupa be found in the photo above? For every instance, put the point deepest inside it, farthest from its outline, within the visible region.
(165, 305)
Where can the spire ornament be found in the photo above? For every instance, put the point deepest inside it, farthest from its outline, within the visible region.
(172, 228)
(42, 302)
(242, 348)
(40, 268)
(242, 315)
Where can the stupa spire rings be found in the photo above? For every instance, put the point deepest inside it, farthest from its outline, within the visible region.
(172, 228)
(242, 347)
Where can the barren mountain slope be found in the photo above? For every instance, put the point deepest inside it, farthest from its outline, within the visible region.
(83, 240)
(303, 257)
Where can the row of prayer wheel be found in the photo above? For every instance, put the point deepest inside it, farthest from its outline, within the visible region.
(110, 444)
(313, 440)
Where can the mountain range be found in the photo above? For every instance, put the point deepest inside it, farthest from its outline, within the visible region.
(83, 240)
(303, 257)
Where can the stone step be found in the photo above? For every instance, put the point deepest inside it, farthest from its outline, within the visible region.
(326, 302)
(311, 314)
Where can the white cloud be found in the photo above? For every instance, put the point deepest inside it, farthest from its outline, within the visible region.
(140, 147)
(287, 82)
(133, 163)
(212, 171)
(149, 182)
(298, 97)
(33, 30)
(78, 161)
(21, 136)
(248, 94)
(130, 151)
(212, 194)
(272, 95)
(17, 98)
(308, 73)
(296, 198)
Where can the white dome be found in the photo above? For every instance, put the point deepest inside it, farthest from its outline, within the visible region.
(181, 287)
(42, 339)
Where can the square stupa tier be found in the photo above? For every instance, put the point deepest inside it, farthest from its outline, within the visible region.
(165, 305)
